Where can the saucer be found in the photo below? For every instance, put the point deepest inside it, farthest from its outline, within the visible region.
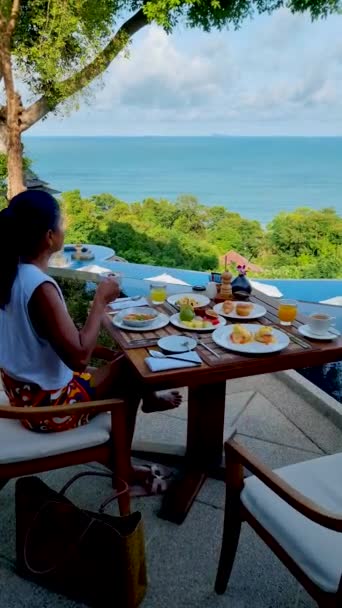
(328, 335)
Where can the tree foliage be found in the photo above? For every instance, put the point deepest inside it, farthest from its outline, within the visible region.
(185, 234)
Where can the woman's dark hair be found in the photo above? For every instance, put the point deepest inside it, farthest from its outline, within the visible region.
(23, 225)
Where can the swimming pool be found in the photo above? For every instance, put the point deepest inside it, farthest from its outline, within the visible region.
(310, 290)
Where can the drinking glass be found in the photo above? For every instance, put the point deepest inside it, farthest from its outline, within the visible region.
(211, 290)
(287, 311)
(158, 293)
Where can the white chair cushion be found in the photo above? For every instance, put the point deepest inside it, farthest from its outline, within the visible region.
(18, 444)
(317, 550)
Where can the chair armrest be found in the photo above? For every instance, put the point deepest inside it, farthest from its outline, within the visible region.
(51, 411)
(238, 454)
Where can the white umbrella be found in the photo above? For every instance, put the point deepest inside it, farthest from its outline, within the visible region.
(268, 290)
(337, 301)
(166, 278)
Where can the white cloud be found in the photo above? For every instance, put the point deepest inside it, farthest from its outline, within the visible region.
(279, 69)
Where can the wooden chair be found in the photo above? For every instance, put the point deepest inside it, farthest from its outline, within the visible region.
(103, 439)
(296, 510)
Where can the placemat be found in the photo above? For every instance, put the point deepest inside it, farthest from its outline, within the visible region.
(134, 339)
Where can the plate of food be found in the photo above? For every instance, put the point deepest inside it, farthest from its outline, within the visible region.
(240, 310)
(251, 339)
(140, 319)
(188, 299)
(206, 320)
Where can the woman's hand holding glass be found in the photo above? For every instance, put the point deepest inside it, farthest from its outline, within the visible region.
(107, 290)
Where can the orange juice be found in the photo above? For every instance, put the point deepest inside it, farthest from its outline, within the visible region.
(287, 311)
(158, 294)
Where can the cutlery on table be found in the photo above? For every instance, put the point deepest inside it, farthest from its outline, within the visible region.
(123, 300)
(208, 348)
(156, 354)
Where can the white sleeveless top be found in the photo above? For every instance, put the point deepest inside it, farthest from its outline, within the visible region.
(23, 354)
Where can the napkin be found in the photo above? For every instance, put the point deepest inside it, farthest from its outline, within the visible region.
(123, 303)
(162, 364)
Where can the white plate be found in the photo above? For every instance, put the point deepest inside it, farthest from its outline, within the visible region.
(201, 300)
(139, 324)
(306, 331)
(177, 323)
(176, 344)
(257, 312)
(221, 336)
(161, 321)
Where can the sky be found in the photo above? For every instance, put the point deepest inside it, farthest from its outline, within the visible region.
(277, 75)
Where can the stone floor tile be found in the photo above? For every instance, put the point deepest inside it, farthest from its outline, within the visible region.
(183, 561)
(262, 420)
(235, 404)
(274, 455)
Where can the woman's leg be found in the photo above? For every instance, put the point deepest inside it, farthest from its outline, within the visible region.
(115, 380)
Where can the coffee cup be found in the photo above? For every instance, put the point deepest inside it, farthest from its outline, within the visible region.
(320, 323)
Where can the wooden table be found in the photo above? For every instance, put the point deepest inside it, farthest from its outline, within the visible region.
(206, 398)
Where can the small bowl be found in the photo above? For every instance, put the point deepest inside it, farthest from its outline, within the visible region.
(138, 310)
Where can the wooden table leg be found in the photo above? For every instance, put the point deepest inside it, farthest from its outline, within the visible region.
(206, 406)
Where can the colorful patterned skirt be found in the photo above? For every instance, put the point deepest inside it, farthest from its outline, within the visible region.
(24, 394)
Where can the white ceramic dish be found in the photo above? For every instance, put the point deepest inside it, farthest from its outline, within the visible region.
(200, 299)
(175, 320)
(306, 331)
(257, 312)
(160, 321)
(221, 337)
(138, 311)
(177, 344)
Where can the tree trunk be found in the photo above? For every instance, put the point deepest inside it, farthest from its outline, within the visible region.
(3, 139)
(11, 134)
(15, 178)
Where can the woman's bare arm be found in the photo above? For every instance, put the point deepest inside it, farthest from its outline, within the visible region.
(52, 322)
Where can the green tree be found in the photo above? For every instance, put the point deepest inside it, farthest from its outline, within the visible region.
(59, 47)
(304, 231)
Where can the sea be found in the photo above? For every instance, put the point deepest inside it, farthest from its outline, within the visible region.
(255, 176)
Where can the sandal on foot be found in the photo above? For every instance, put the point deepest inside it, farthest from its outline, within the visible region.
(156, 482)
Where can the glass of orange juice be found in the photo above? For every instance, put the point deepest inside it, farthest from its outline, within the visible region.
(158, 293)
(287, 311)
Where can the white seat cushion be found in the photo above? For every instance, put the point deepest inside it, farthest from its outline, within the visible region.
(317, 550)
(18, 444)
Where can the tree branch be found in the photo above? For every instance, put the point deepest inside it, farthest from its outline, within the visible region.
(13, 17)
(81, 79)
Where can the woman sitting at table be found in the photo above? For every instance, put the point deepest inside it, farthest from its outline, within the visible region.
(43, 356)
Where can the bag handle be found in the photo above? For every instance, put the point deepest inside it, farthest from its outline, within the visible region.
(29, 533)
(114, 496)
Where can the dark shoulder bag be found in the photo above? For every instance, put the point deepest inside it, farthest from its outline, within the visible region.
(91, 557)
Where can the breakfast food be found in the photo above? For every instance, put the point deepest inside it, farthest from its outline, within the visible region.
(227, 307)
(186, 313)
(139, 317)
(244, 309)
(265, 335)
(205, 320)
(198, 323)
(187, 302)
(212, 314)
(241, 335)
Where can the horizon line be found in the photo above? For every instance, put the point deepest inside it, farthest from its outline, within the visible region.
(210, 135)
